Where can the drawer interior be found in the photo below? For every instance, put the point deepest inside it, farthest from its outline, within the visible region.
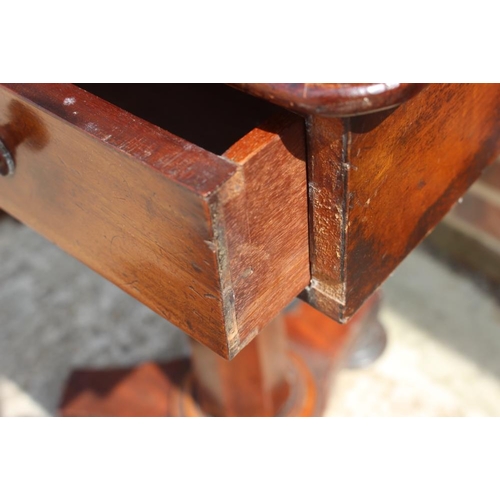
(212, 116)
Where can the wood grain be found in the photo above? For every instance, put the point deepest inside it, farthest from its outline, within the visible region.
(179, 228)
(267, 226)
(380, 182)
(333, 99)
(255, 384)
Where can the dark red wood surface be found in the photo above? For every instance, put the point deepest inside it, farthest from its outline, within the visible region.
(379, 183)
(333, 99)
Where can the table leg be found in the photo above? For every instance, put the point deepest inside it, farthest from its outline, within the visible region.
(287, 370)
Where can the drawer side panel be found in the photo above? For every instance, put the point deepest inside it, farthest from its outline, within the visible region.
(146, 232)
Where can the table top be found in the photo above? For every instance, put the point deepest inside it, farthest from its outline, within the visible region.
(334, 99)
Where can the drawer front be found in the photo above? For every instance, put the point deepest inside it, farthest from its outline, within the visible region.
(216, 245)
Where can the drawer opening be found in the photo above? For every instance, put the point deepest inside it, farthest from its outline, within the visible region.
(210, 115)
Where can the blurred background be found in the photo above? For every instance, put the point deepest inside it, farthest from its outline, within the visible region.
(441, 310)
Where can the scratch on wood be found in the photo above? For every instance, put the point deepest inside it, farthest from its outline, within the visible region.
(91, 127)
(211, 245)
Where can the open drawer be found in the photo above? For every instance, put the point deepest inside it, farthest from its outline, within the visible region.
(386, 161)
(208, 229)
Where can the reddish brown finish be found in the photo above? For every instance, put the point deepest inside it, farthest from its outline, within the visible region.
(379, 183)
(267, 225)
(145, 391)
(327, 195)
(255, 383)
(333, 99)
(192, 235)
(277, 374)
(308, 326)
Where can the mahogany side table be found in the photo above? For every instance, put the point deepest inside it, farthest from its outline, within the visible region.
(215, 206)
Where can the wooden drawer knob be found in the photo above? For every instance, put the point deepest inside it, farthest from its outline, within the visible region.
(7, 163)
